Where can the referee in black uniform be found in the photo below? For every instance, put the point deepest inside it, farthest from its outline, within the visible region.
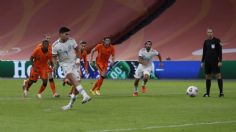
(212, 61)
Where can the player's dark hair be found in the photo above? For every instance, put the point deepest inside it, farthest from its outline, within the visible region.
(106, 37)
(83, 42)
(63, 30)
(45, 42)
(148, 41)
(210, 28)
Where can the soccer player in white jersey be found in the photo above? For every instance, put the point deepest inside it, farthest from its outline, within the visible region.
(145, 66)
(63, 50)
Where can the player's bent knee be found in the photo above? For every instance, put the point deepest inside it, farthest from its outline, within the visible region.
(51, 80)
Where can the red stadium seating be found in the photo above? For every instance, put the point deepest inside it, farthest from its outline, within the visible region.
(176, 33)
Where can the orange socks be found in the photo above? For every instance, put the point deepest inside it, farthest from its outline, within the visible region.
(95, 85)
(98, 84)
(100, 81)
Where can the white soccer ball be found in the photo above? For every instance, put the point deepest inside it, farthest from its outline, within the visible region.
(192, 91)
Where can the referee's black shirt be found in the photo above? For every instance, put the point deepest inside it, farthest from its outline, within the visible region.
(212, 51)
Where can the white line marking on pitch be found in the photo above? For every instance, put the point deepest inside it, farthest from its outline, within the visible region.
(168, 126)
(15, 98)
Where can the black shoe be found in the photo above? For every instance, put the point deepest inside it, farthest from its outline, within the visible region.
(221, 95)
(206, 95)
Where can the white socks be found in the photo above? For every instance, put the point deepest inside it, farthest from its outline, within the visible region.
(73, 96)
(72, 99)
(81, 90)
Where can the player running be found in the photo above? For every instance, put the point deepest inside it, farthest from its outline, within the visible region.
(64, 50)
(39, 58)
(105, 51)
(145, 66)
(50, 70)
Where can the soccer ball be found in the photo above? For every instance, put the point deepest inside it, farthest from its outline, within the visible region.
(192, 91)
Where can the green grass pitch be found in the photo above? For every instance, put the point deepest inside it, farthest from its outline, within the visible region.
(164, 108)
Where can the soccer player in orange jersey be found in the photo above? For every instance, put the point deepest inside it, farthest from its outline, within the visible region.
(84, 55)
(105, 51)
(50, 70)
(39, 58)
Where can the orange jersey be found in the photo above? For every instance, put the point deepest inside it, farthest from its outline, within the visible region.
(104, 53)
(41, 59)
(84, 57)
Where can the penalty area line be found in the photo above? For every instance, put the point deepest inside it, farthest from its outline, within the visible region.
(169, 126)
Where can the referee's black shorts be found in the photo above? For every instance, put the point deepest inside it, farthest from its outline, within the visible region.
(211, 67)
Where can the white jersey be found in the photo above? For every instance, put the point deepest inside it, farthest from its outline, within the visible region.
(148, 56)
(65, 51)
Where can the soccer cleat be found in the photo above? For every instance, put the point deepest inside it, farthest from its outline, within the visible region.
(86, 99)
(143, 89)
(93, 92)
(206, 95)
(221, 95)
(67, 107)
(56, 95)
(39, 96)
(98, 92)
(135, 94)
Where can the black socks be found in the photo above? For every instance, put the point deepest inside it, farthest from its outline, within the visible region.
(208, 86)
(220, 84)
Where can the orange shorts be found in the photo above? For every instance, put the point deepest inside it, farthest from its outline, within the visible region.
(42, 73)
(102, 68)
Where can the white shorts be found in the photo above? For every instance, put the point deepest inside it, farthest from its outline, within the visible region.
(142, 70)
(71, 68)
